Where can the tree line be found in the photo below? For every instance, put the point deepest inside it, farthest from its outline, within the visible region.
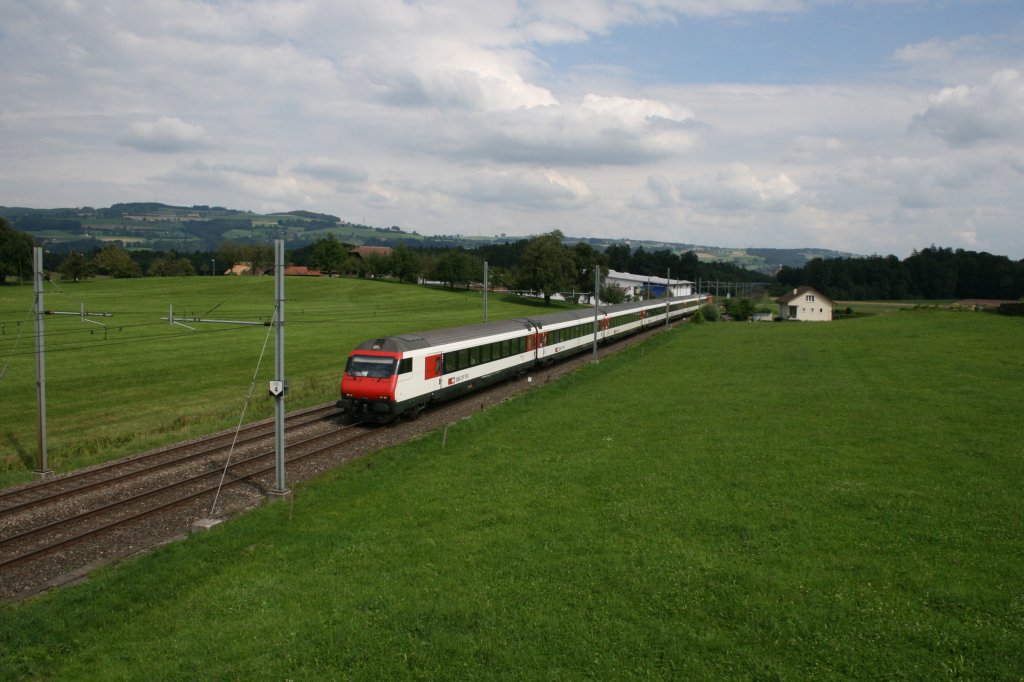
(932, 273)
(544, 264)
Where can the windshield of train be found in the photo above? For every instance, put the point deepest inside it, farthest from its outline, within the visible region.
(373, 366)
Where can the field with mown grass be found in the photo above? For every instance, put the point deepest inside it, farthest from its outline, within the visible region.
(730, 500)
(139, 382)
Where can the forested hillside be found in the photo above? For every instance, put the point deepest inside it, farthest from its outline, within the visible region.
(932, 273)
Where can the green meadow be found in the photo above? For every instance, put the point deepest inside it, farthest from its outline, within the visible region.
(730, 500)
(139, 382)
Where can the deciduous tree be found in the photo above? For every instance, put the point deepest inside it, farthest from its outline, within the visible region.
(406, 264)
(548, 265)
(230, 254)
(170, 266)
(75, 267)
(261, 256)
(113, 260)
(328, 255)
(15, 252)
(455, 267)
(588, 261)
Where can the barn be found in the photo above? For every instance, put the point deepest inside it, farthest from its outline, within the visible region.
(645, 286)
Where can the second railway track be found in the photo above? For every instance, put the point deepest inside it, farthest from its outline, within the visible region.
(57, 526)
(81, 482)
(38, 541)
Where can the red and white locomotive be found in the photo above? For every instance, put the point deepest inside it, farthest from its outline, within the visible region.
(401, 375)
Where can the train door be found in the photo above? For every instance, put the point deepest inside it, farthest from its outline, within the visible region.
(433, 368)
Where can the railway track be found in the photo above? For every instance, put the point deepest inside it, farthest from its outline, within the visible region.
(56, 530)
(61, 525)
(79, 482)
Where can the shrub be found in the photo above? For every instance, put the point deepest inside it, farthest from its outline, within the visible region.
(710, 312)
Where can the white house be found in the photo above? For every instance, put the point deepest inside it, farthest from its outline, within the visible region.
(645, 286)
(806, 304)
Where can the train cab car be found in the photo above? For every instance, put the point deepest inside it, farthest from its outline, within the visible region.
(401, 375)
(370, 378)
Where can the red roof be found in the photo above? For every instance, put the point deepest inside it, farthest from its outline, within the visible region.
(364, 251)
(800, 291)
(300, 271)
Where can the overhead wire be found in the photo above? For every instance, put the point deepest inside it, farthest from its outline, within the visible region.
(303, 315)
(80, 345)
(241, 417)
(7, 361)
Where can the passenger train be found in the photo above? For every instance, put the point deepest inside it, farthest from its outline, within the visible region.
(401, 375)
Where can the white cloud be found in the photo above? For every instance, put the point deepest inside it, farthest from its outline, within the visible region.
(546, 188)
(599, 130)
(737, 188)
(446, 116)
(167, 134)
(965, 115)
(380, 196)
(455, 86)
(331, 169)
(816, 146)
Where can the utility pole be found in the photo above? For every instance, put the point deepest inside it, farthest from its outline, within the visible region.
(43, 469)
(278, 387)
(597, 295)
(486, 287)
(668, 294)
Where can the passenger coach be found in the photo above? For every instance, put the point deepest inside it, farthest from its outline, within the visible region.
(401, 375)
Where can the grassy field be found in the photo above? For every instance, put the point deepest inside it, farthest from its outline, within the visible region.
(139, 382)
(879, 307)
(779, 501)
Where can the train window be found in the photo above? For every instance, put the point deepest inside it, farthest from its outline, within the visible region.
(485, 353)
(374, 366)
(405, 366)
(474, 356)
(463, 360)
(505, 349)
(451, 362)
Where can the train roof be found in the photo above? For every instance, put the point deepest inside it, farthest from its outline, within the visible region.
(442, 337)
(588, 313)
(564, 316)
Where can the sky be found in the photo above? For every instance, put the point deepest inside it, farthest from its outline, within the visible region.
(869, 127)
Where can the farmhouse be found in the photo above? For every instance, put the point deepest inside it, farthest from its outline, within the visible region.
(363, 252)
(242, 269)
(643, 286)
(806, 304)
